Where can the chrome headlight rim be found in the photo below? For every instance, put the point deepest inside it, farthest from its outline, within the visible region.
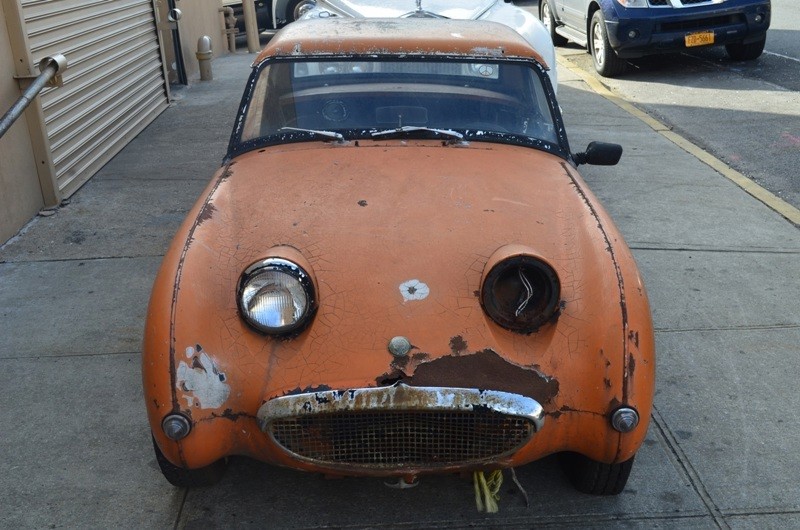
(539, 309)
(295, 271)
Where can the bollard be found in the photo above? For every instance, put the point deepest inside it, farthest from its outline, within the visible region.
(204, 58)
(230, 27)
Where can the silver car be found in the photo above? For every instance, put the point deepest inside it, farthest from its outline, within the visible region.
(500, 11)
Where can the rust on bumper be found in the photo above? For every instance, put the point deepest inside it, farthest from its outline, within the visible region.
(401, 428)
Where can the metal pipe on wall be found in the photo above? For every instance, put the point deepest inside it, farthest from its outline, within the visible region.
(49, 67)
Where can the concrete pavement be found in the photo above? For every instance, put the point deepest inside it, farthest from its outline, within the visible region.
(720, 267)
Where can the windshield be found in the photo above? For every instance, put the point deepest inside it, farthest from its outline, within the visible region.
(356, 98)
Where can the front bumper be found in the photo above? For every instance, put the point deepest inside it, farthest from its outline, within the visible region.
(401, 429)
(638, 32)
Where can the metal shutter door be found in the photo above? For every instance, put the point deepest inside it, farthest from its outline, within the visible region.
(114, 85)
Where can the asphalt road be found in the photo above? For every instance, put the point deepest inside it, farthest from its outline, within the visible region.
(747, 114)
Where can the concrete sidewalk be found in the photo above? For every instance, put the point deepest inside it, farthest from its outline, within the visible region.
(720, 267)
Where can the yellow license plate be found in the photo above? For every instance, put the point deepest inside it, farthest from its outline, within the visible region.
(699, 39)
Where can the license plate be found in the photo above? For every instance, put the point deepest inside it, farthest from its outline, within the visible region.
(699, 39)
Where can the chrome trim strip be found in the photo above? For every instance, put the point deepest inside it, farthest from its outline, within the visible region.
(401, 397)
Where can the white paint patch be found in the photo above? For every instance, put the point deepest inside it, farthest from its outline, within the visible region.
(203, 380)
(414, 290)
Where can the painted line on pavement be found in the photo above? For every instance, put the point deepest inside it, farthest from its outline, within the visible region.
(765, 196)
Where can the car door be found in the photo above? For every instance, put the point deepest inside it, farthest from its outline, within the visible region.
(572, 13)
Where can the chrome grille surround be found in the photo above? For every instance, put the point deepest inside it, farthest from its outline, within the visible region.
(401, 427)
(682, 3)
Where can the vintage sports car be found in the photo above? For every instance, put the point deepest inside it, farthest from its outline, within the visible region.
(398, 270)
(502, 11)
(615, 30)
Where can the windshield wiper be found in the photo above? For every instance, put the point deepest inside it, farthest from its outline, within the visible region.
(410, 128)
(327, 134)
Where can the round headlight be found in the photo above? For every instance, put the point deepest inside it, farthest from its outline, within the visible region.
(276, 296)
(521, 293)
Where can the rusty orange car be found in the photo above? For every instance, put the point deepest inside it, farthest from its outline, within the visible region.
(399, 271)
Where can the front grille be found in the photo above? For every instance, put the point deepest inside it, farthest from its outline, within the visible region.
(683, 3)
(703, 23)
(401, 439)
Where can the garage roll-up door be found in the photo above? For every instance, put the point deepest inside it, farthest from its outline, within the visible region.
(114, 85)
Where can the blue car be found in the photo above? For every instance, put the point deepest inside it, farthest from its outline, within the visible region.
(615, 30)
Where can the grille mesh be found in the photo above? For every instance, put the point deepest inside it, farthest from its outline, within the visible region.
(394, 439)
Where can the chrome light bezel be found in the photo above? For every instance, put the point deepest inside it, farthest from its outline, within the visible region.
(294, 271)
(505, 306)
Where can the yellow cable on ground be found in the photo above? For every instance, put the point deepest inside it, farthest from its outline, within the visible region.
(487, 491)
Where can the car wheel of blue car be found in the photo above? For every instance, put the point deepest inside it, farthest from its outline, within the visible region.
(605, 58)
(739, 51)
(190, 478)
(549, 20)
(595, 478)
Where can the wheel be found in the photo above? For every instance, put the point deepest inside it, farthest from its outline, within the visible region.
(595, 478)
(605, 58)
(190, 478)
(549, 21)
(739, 51)
(296, 8)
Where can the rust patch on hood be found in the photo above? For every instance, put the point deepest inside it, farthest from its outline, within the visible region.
(458, 345)
(485, 370)
(206, 213)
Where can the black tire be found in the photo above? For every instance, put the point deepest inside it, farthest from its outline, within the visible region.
(595, 478)
(549, 20)
(606, 61)
(291, 10)
(739, 51)
(190, 478)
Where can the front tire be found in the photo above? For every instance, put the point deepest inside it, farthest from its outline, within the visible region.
(549, 21)
(739, 51)
(189, 478)
(595, 478)
(606, 61)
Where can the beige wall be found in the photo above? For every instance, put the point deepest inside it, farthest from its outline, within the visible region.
(200, 18)
(20, 192)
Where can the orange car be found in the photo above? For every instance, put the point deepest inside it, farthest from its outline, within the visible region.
(399, 271)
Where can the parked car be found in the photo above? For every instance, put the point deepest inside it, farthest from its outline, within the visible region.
(398, 270)
(501, 11)
(263, 14)
(616, 30)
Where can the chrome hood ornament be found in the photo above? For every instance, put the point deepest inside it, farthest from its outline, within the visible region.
(421, 13)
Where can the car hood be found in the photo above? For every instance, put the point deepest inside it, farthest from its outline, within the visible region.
(397, 235)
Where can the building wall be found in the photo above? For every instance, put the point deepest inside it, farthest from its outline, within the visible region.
(200, 18)
(20, 192)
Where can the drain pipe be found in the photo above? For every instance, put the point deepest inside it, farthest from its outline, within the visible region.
(204, 55)
(49, 67)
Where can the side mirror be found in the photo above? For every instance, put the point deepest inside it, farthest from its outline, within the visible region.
(599, 154)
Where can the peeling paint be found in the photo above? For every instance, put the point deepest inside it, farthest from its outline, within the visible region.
(458, 345)
(206, 213)
(414, 290)
(485, 369)
(202, 380)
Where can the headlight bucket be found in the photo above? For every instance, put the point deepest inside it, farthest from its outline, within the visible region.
(276, 296)
(520, 291)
